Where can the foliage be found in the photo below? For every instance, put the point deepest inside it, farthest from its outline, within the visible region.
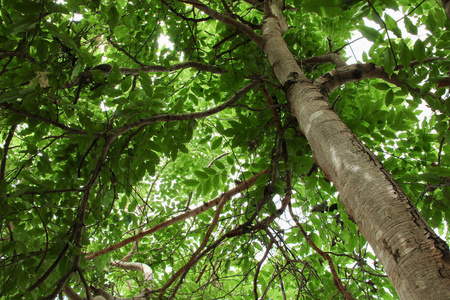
(77, 147)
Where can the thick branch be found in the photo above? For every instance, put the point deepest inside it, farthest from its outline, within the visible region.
(274, 8)
(336, 78)
(135, 266)
(333, 57)
(71, 294)
(194, 212)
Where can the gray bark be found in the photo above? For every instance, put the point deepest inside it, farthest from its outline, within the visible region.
(416, 260)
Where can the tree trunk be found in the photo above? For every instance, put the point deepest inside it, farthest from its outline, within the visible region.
(416, 260)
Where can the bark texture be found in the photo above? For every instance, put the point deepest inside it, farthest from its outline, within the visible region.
(446, 5)
(416, 260)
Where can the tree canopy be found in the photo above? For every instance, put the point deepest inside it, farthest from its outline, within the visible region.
(148, 149)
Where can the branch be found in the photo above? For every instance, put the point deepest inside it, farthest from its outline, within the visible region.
(71, 294)
(224, 198)
(332, 80)
(271, 104)
(17, 54)
(217, 158)
(59, 285)
(281, 151)
(241, 19)
(68, 190)
(187, 64)
(187, 116)
(336, 280)
(115, 45)
(131, 252)
(274, 8)
(333, 57)
(105, 69)
(181, 14)
(257, 39)
(194, 212)
(386, 30)
(446, 6)
(43, 119)
(80, 219)
(51, 269)
(86, 286)
(258, 267)
(135, 266)
(425, 61)
(5, 151)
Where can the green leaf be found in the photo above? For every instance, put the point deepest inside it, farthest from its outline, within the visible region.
(201, 175)
(323, 8)
(369, 33)
(440, 171)
(388, 62)
(392, 4)
(96, 147)
(410, 27)
(381, 86)
(24, 23)
(216, 142)
(207, 186)
(191, 182)
(431, 23)
(126, 83)
(219, 164)
(113, 16)
(392, 25)
(146, 83)
(404, 55)
(419, 51)
(389, 98)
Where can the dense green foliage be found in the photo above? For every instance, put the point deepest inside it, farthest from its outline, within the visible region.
(74, 146)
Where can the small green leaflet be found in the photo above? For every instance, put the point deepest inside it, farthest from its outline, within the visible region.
(419, 51)
(191, 182)
(369, 33)
(410, 27)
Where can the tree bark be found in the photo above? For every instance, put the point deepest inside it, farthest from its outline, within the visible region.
(416, 260)
(446, 5)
